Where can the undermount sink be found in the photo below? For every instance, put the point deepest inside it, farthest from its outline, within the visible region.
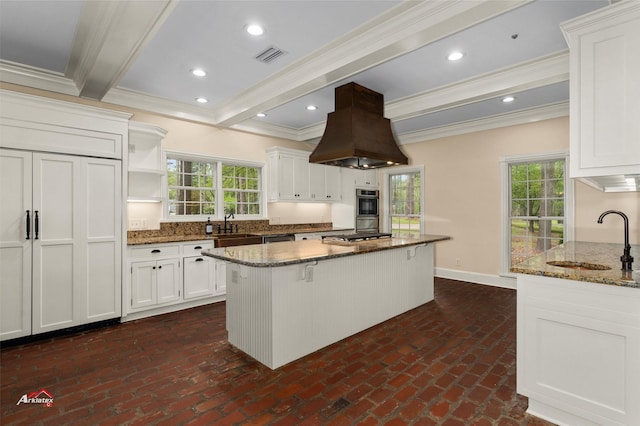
(229, 240)
(585, 266)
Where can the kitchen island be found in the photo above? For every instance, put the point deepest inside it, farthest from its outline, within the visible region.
(286, 300)
(578, 335)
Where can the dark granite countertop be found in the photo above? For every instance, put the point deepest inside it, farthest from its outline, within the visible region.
(604, 254)
(159, 239)
(295, 252)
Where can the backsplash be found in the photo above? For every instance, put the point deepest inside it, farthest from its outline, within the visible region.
(244, 227)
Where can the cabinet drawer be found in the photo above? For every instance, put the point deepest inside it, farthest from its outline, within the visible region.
(195, 249)
(154, 251)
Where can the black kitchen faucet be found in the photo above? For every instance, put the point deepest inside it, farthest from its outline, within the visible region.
(626, 258)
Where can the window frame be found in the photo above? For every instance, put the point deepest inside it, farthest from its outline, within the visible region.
(218, 190)
(505, 221)
(386, 195)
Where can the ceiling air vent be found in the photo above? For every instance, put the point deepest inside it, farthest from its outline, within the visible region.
(270, 54)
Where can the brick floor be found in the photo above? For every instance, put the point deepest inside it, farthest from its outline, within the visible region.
(449, 362)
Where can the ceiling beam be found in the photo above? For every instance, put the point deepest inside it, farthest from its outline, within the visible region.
(400, 30)
(109, 37)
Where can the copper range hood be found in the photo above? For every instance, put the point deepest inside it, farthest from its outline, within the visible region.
(357, 135)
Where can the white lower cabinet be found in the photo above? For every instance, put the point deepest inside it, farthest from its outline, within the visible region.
(155, 282)
(199, 277)
(170, 277)
(578, 346)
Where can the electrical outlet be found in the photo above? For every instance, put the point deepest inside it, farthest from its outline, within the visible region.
(458, 262)
(135, 224)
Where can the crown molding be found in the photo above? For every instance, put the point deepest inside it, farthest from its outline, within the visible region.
(531, 74)
(23, 75)
(560, 109)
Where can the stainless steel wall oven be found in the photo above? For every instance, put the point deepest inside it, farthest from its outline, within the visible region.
(367, 217)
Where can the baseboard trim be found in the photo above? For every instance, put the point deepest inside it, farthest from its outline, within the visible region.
(476, 278)
(132, 316)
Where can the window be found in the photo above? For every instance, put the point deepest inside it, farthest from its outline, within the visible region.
(538, 193)
(241, 185)
(211, 187)
(403, 190)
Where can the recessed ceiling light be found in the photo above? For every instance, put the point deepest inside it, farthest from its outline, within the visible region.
(254, 29)
(199, 72)
(455, 56)
(311, 107)
(261, 114)
(202, 100)
(508, 99)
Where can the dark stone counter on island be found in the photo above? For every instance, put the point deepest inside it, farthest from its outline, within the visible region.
(294, 252)
(589, 253)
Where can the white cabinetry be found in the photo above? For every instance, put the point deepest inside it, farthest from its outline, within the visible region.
(324, 183)
(155, 282)
(170, 277)
(578, 345)
(60, 215)
(605, 94)
(288, 175)
(292, 178)
(366, 178)
(146, 170)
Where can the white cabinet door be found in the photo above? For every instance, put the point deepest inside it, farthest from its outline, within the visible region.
(199, 277)
(76, 245)
(317, 185)
(288, 176)
(333, 183)
(155, 282)
(15, 244)
(605, 94)
(221, 276)
(366, 178)
(143, 284)
(57, 254)
(168, 280)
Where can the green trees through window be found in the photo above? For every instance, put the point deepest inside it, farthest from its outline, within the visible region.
(193, 186)
(405, 203)
(537, 207)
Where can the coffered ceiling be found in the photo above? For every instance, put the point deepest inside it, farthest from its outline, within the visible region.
(141, 54)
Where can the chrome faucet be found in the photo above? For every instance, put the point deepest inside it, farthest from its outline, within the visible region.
(626, 258)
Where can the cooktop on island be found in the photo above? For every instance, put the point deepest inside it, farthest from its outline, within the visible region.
(357, 236)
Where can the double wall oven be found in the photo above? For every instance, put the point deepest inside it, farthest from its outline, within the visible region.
(367, 215)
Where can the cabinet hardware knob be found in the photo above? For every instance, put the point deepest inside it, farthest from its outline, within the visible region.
(197, 248)
(160, 267)
(199, 259)
(155, 251)
(153, 267)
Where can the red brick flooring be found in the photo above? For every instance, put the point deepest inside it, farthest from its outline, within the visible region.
(450, 362)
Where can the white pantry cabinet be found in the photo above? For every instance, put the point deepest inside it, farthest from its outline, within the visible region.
(605, 93)
(61, 215)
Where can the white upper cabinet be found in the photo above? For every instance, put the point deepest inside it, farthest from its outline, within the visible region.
(292, 178)
(366, 178)
(146, 169)
(324, 183)
(605, 91)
